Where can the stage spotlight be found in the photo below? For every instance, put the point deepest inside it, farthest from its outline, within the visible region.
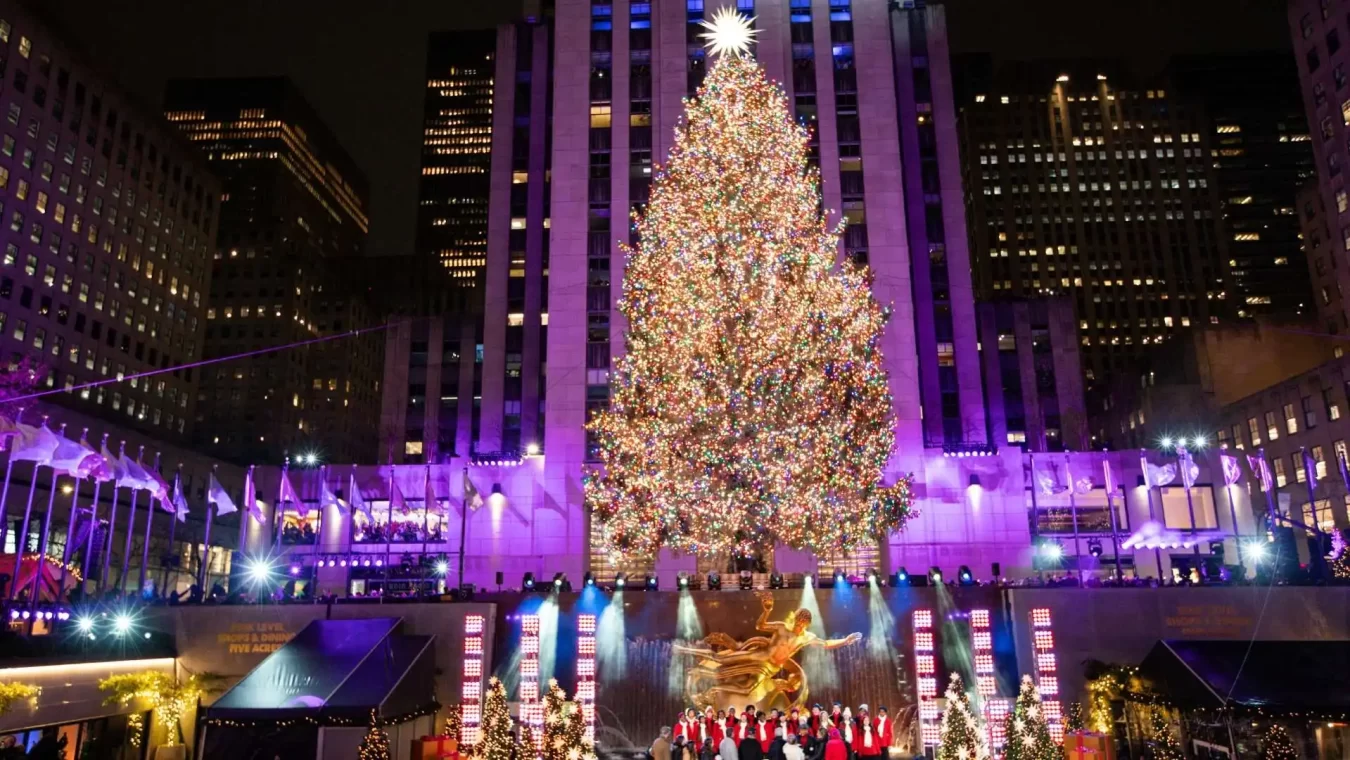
(775, 579)
(121, 623)
(558, 580)
(683, 580)
(839, 577)
(965, 577)
(900, 577)
(746, 580)
(85, 624)
(147, 635)
(1095, 548)
(295, 569)
(872, 577)
(259, 571)
(1216, 548)
(527, 582)
(588, 579)
(1052, 551)
(1256, 550)
(809, 580)
(652, 583)
(620, 580)
(935, 575)
(442, 567)
(714, 581)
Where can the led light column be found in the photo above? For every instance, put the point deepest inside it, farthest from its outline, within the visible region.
(471, 690)
(1047, 670)
(586, 673)
(995, 709)
(531, 709)
(925, 677)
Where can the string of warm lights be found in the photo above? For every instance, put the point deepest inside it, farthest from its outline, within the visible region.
(752, 403)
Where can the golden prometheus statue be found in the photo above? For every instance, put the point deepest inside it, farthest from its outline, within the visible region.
(760, 670)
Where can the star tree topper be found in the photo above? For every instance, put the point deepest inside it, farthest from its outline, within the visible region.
(729, 32)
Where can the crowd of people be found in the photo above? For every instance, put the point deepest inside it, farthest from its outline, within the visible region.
(406, 531)
(837, 733)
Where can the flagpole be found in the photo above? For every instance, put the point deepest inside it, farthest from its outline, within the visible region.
(42, 538)
(131, 530)
(351, 529)
(112, 524)
(93, 521)
(4, 491)
(388, 530)
(279, 511)
(318, 540)
(1148, 493)
(1184, 460)
(21, 540)
(173, 528)
(203, 574)
(248, 508)
(1115, 530)
(145, 543)
(1317, 558)
(1035, 525)
(70, 530)
(1073, 513)
(1237, 531)
(428, 491)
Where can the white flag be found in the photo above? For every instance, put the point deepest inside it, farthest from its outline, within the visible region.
(35, 444)
(358, 501)
(215, 494)
(114, 463)
(180, 505)
(327, 497)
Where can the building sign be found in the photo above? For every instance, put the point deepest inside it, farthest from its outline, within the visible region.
(1217, 621)
(254, 638)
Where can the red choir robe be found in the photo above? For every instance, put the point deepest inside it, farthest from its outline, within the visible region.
(866, 741)
(885, 730)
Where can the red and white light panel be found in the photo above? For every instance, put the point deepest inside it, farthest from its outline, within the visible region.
(471, 676)
(586, 673)
(982, 645)
(925, 677)
(531, 709)
(1047, 670)
(996, 711)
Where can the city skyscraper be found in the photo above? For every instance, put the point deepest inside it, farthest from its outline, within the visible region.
(456, 143)
(1319, 52)
(109, 218)
(293, 218)
(1261, 156)
(1105, 192)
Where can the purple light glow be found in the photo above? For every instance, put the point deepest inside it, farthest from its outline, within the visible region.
(379, 563)
(295, 569)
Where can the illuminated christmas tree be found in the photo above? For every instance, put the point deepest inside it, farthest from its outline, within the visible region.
(526, 748)
(752, 401)
(454, 723)
(1276, 744)
(960, 735)
(577, 748)
(1027, 730)
(375, 744)
(1074, 720)
(1165, 746)
(496, 742)
(555, 722)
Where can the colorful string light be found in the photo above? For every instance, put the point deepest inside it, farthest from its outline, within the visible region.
(752, 402)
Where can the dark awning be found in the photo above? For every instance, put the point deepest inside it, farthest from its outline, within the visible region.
(336, 669)
(1273, 676)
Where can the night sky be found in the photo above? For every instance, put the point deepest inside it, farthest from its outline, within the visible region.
(361, 63)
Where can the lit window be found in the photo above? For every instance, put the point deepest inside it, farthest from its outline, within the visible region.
(1272, 429)
(1290, 421)
(412, 448)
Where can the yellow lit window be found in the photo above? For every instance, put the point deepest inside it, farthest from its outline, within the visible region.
(520, 178)
(412, 448)
(600, 116)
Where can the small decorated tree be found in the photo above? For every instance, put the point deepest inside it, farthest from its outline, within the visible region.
(454, 724)
(575, 734)
(960, 737)
(526, 748)
(375, 744)
(1165, 746)
(1074, 720)
(496, 742)
(555, 722)
(1276, 744)
(1028, 731)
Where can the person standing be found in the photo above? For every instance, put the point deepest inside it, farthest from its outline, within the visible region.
(846, 732)
(776, 746)
(750, 748)
(727, 748)
(708, 751)
(885, 732)
(835, 749)
(660, 749)
(792, 750)
(866, 743)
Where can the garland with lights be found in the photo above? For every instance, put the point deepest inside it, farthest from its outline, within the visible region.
(375, 744)
(960, 737)
(1165, 746)
(752, 400)
(496, 742)
(1276, 744)
(1340, 558)
(1105, 684)
(136, 729)
(168, 697)
(1028, 731)
(13, 692)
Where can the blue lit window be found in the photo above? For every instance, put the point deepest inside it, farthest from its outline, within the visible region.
(695, 5)
(841, 16)
(602, 26)
(843, 51)
(640, 9)
(801, 18)
(602, 10)
(800, 4)
(745, 5)
(840, 4)
(642, 23)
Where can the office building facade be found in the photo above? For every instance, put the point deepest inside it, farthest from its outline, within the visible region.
(1080, 187)
(453, 194)
(293, 219)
